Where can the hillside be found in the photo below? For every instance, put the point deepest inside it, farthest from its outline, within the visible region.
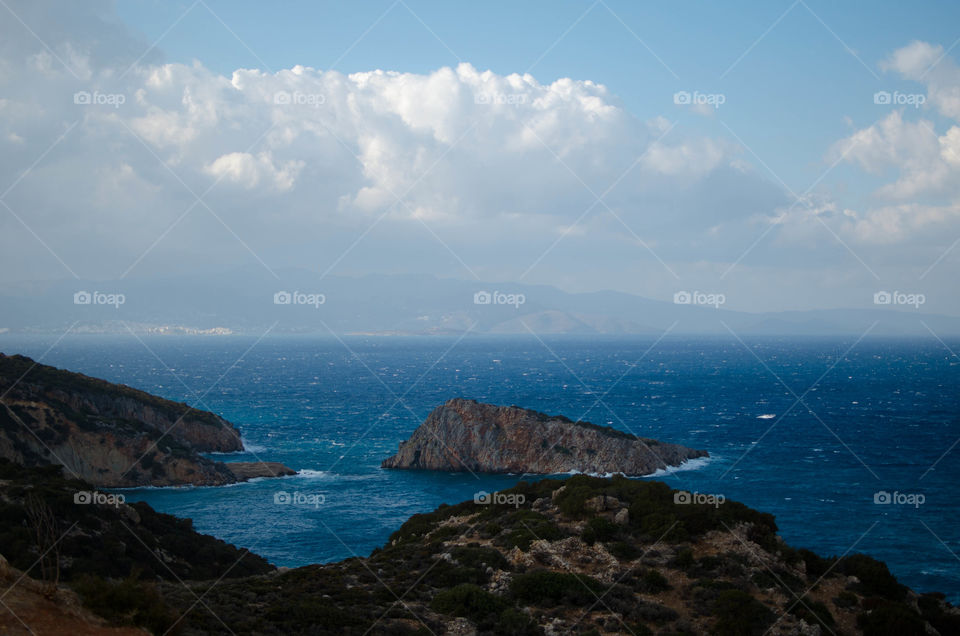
(111, 554)
(112, 435)
(583, 555)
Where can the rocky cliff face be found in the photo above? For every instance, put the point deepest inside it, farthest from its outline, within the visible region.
(466, 435)
(107, 434)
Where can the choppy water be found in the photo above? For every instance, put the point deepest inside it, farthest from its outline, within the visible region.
(882, 417)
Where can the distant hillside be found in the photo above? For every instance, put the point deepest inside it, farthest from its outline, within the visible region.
(300, 301)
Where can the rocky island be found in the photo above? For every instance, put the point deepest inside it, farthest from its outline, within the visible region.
(465, 435)
(111, 435)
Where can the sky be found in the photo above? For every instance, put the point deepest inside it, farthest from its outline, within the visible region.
(789, 155)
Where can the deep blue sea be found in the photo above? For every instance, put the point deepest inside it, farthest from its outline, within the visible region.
(882, 416)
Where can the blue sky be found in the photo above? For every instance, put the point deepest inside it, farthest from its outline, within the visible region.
(538, 142)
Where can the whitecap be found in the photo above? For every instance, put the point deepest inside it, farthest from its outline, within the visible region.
(766, 416)
(690, 464)
(580, 472)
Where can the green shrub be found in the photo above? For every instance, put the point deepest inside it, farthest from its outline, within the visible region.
(513, 622)
(812, 611)
(447, 532)
(817, 566)
(875, 578)
(652, 582)
(684, 559)
(126, 602)
(599, 529)
(661, 526)
(446, 575)
(523, 536)
(739, 614)
(891, 619)
(480, 557)
(846, 599)
(649, 611)
(543, 587)
(489, 611)
(469, 601)
(932, 609)
(624, 550)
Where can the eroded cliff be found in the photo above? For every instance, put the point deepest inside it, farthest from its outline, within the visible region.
(108, 434)
(466, 435)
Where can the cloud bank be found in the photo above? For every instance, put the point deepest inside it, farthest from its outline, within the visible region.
(117, 163)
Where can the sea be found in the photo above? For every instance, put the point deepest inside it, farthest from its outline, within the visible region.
(851, 444)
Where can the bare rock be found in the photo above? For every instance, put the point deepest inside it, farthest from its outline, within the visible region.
(465, 435)
(601, 503)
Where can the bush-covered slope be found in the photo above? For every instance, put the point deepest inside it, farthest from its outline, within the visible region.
(583, 555)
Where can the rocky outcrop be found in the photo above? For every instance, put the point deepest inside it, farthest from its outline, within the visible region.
(464, 435)
(108, 434)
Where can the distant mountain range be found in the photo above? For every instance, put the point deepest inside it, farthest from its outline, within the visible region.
(300, 301)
